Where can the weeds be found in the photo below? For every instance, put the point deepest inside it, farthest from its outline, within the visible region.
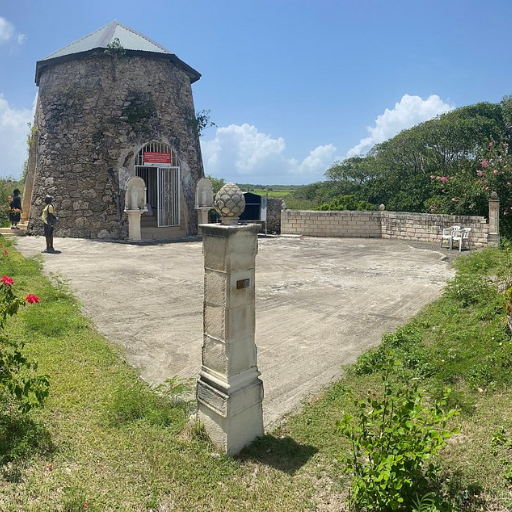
(139, 402)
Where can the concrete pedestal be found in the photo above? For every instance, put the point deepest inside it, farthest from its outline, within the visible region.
(229, 391)
(134, 232)
(202, 216)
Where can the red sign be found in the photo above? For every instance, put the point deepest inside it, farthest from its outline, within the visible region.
(157, 158)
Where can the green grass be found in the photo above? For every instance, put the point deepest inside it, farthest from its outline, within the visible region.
(281, 193)
(106, 439)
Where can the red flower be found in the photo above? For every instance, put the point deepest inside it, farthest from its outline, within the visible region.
(32, 299)
(7, 281)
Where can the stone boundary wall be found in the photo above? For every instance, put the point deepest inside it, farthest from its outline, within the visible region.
(347, 224)
(421, 227)
(425, 227)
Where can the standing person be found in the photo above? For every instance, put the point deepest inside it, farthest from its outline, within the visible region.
(49, 219)
(15, 209)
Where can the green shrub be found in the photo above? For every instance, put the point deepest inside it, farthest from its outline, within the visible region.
(347, 202)
(392, 437)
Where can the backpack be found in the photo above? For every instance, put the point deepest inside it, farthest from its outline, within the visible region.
(52, 219)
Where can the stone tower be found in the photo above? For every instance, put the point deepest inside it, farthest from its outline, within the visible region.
(113, 105)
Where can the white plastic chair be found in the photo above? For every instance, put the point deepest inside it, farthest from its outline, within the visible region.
(462, 237)
(448, 235)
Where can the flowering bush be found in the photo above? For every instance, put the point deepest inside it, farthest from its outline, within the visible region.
(467, 191)
(19, 381)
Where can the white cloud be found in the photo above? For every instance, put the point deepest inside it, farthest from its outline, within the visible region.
(410, 111)
(7, 32)
(316, 163)
(13, 135)
(244, 154)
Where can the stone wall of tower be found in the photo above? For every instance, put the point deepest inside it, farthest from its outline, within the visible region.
(93, 115)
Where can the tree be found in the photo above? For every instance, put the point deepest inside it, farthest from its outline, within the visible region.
(217, 183)
(402, 166)
(356, 169)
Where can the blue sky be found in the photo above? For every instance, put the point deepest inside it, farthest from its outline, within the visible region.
(292, 85)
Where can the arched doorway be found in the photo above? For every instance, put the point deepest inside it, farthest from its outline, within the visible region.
(158, 165)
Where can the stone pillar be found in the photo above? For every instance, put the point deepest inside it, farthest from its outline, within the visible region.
(493, 239)
(229, 391)
(134, 232)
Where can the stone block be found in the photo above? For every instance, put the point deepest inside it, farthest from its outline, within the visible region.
(241, 356)
(214, 354)
(233, 434)
(215, 321)
(228, 248)
(215, 287)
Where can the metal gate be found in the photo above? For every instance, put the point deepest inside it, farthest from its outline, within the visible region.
(158, 165)
(168, 191)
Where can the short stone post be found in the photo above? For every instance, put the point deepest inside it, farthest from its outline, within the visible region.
(204, 201)
(135, 201)
(229, 391)
(134, 232)
(493, 239)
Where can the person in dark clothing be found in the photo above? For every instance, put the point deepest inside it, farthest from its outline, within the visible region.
(15, 209)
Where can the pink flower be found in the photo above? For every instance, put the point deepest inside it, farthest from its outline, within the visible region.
(32, 299)
(479, 172)
(490, 144)
(508, 183)
(495, 171)
(505, 212)
(7, 281)
(454, 199)
(444, 179)
(432, 177)
(485, 164)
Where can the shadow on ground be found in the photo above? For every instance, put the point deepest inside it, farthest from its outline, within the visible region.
(20, 438)
(281, 453)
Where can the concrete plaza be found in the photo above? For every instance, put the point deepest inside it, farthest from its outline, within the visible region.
(320, 302)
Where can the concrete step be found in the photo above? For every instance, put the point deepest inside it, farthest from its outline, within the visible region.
(22, 230)
(155, 233)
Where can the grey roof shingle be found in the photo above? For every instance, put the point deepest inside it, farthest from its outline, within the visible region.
(131, 40)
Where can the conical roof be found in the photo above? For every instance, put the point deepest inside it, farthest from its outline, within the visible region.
(132, 41)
